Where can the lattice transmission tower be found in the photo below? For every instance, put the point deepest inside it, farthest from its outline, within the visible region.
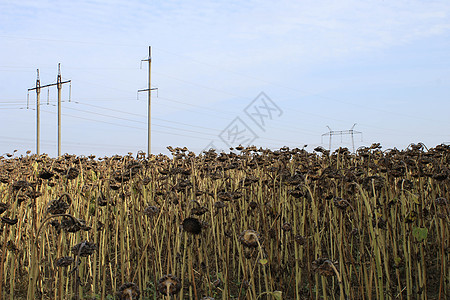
(350, 132)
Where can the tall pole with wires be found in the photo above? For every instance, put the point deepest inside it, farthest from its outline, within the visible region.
(149, 91)
(38, 88)
(58, 86)
(149, 125)
(38, 121)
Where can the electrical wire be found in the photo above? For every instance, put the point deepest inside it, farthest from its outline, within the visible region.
(169, 127)
(140, 115)
(122, 125)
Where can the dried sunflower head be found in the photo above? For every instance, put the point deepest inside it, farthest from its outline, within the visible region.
(114, 186)
(17, 185)
(411, 217)
(72, 173)
(323, 266)
(301, 240)
(128, 291)
(73, 224)
(287, 227)
(169, 285)
(10, 246)
(64, 261)
(44, 174)
(101, 200)
(33, 194)
(192, 225)
(441, 201)
(84, 249)
(56, 207)
(250, 238)
(296, 193)
(9, 221)
(341, 203)
(151, 211)
(253, 205)
(199, 210)
(3, 207)
(4, 178)
(219, 204)
(146, 180)
(55, 224)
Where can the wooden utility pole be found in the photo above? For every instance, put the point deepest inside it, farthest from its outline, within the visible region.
(59, 86)
(149, 90)
(38, 121)
(38, 88)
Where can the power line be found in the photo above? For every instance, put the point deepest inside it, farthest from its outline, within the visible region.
(9, 107)
(218, 131)
(221, 112)
(196, 105)
(178, 129)
(136, 121)
(291, 129)
(51, 143)
(138, 115)
(122, 125)
(177, 101)
(199, 85)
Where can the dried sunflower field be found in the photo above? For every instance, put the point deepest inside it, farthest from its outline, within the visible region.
(248, 224)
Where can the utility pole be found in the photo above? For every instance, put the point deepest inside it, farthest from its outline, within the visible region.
(38, 87)
(149, 91)
(341, 133)
(59, 86)
(38, 96)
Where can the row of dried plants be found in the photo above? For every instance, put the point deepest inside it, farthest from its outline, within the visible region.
(248, 224)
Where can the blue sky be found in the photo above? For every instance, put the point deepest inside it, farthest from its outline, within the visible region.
(384, 65)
